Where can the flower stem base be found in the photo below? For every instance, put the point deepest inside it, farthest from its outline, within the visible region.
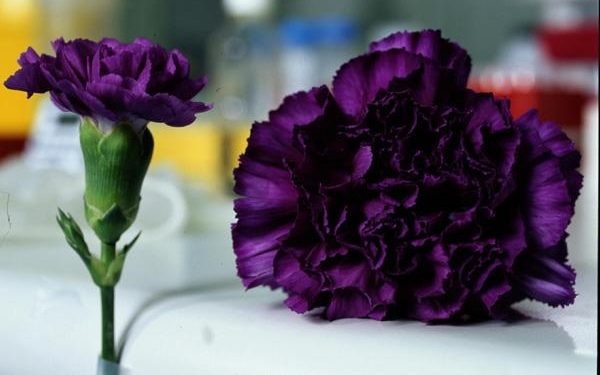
(110, 368)
(107, 301)
(107, 298)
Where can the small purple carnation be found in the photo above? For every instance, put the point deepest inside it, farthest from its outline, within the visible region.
(400, 193)
(112, 82)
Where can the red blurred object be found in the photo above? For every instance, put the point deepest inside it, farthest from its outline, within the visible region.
(11, 146)
(578, 42)
(554, 103)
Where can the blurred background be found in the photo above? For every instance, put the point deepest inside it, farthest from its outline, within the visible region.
(539, 53)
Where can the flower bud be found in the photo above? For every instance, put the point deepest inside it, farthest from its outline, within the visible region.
(115, 165)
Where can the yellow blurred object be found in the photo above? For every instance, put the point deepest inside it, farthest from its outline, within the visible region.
(238, 140)
(195, 151)
(19, 29)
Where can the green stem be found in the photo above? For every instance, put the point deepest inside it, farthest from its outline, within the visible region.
(107, 254)
(107, 300)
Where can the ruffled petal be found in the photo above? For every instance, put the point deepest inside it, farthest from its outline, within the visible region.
(358, 81)
(187, 89)
(73, 58)
(271, 142)
(302, 287)
(257, 235)
(512, 237)
(443, 308)
(547, 207)
(361, 162)
(29, 79)
(257, 180)
(257, 268)
(560, 145)
(492, 292)
(348, 303)
(81, 101)
(347, 274)
(431, 273)
(542, 278)
(430, 44)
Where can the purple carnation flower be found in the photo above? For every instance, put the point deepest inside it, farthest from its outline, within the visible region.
(401, 193)
(112, 82)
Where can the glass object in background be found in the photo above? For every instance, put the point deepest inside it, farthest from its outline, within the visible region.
(110, 368)
(193, 152)
(50, 174)
(263, 68)
(311, 50)
(54, 141)
(241, 55)
(337, 43)
(241, 59)
(298, 63)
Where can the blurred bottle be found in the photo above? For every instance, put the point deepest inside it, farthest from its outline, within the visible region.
(256, 70)
(312, 50)
(337, 44)
(241, 61)
(298, 56)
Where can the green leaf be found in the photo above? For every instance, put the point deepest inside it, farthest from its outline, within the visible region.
(127, 247)
(74, 235)
(113, 273)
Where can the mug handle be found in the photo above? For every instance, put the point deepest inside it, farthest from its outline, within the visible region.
(175, 221)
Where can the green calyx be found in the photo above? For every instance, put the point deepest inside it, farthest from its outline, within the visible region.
(115, 167)
(104, 272)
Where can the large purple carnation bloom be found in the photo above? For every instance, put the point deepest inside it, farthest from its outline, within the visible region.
(113, 82)
(400, 193)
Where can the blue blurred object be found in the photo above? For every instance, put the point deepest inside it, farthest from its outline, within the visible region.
(313, 49)
(298, 32)
(336, 31)
(316, 32)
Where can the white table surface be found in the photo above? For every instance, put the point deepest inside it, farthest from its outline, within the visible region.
(204, 323)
